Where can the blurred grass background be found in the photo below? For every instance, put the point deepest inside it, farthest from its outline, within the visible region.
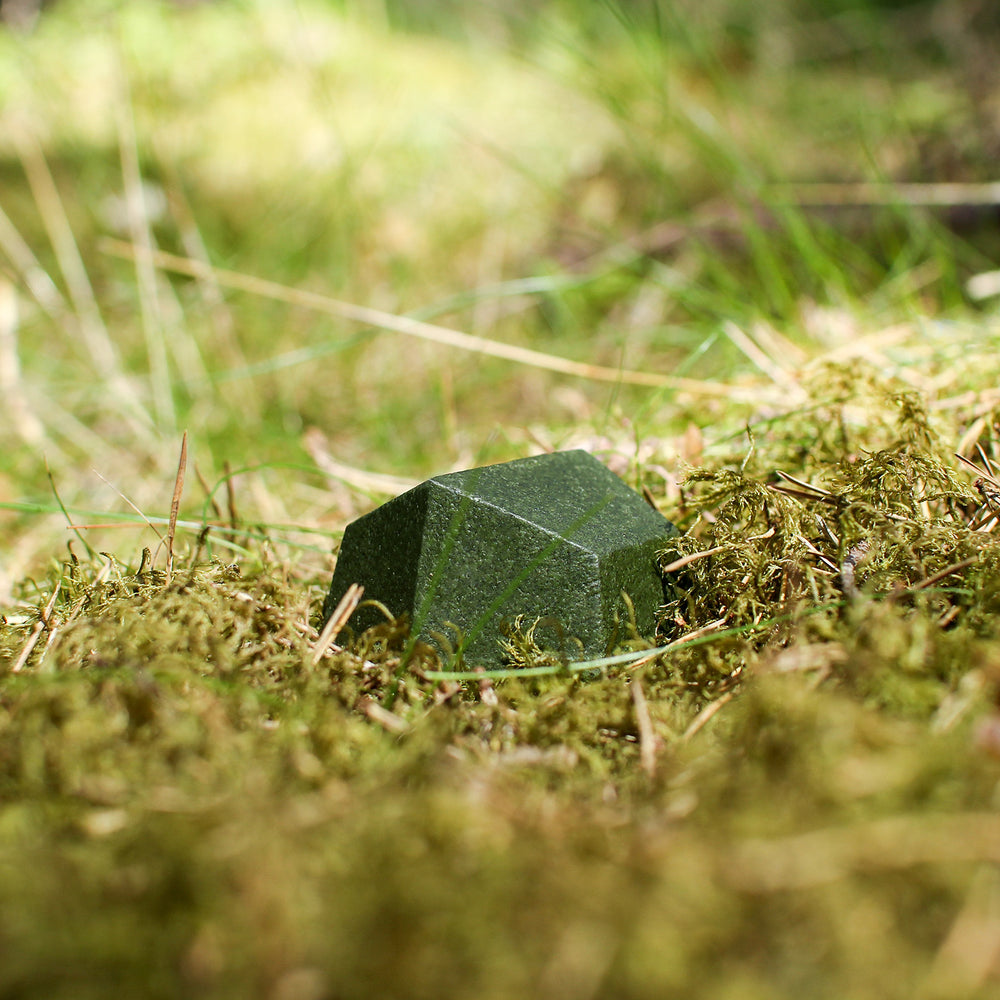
(606, 182)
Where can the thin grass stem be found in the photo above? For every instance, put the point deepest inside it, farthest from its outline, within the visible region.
(427, 331)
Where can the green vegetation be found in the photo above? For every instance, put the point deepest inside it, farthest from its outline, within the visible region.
(729, 247)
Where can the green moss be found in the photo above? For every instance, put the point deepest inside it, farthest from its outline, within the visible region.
(194, 805)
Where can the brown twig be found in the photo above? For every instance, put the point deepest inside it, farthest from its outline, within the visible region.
(234, 518)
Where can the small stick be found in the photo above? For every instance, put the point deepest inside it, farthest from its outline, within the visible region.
(816, 552)
(985, 459)
(199, 545)
(854, 555)
(486, 693)
(344, 609)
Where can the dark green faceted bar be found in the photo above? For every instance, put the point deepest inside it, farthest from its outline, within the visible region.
(556, 537)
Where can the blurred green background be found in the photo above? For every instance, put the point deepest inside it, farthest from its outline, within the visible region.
(615, 183)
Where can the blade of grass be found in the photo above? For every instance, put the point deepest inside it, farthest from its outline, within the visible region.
(147, 521)
(633, 657)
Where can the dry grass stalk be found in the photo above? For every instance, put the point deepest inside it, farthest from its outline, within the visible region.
(24, 422)
(361, 479)
(693, 557)
(648, 739)
(431, 332)
(336, 622)
(194, 245)
(145, 272)
(988, 487)
(969, 955)
(767, 364)
(34, 276)
(175, 505)
(149, 524)
(658, 651)
(707, 713)
(809, 487)
(940, 195)
(946, 572)
(389, 721)
(44, 621)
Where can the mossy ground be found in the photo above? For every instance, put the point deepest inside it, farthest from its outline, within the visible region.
(196, 801)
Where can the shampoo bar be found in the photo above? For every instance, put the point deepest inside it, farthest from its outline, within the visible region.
(557, 537)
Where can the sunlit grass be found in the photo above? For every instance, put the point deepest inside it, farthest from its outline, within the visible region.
(345, 246)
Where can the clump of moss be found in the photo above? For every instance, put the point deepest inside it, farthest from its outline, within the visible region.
(878, 535)
(196, 800)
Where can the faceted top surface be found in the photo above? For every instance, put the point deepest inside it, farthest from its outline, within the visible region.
(568, 493)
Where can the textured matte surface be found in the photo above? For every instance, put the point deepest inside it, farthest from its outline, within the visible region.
(555, 536)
